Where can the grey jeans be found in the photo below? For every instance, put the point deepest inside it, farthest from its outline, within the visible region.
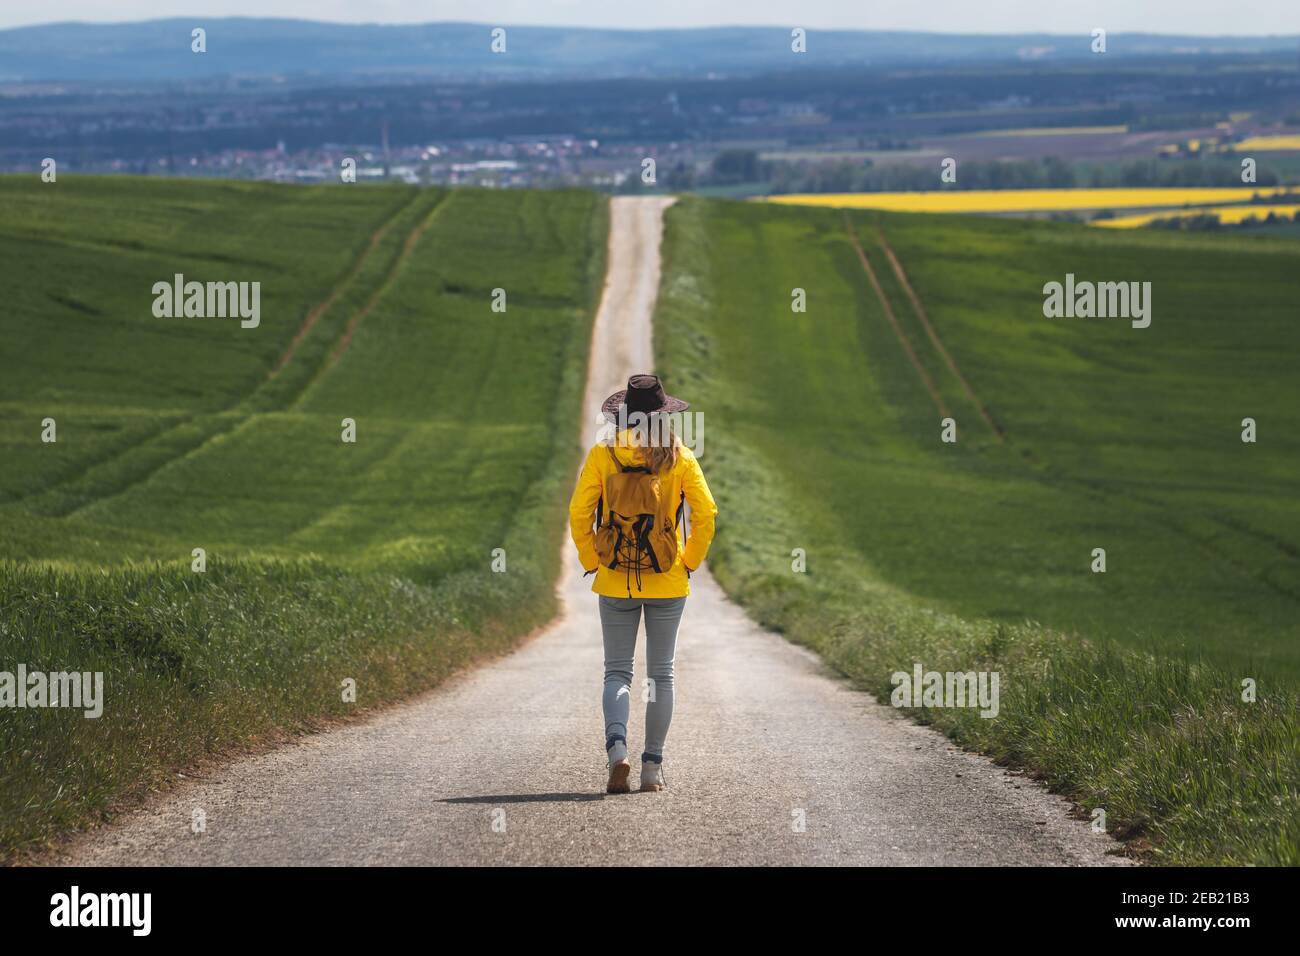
(619, 618)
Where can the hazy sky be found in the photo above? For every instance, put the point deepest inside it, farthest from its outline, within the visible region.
(1241, 17)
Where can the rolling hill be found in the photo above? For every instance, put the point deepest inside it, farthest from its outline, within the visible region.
(245, 47)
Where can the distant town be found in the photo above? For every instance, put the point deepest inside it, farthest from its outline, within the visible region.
(1017, 122)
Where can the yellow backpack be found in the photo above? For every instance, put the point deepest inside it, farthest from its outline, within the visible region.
(634, 526)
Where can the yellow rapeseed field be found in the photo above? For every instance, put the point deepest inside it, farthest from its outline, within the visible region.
(1266, 144)
(1228, 215)
(1026, 200)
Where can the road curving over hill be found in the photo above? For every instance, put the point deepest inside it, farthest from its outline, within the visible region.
(771, 758)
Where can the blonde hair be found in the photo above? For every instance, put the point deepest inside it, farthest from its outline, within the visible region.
(656, 439)
(662, 455)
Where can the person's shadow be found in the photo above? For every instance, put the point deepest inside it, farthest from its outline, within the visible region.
(529, 798)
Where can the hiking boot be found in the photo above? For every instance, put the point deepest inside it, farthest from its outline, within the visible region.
(652, 774)
(619, 768)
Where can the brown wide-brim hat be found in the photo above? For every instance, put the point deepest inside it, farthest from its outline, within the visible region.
(645, 394)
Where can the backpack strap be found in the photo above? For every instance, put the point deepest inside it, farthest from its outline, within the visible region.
(600, 502)
(642, 529)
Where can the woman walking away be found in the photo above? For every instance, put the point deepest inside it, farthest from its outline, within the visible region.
(626, 519)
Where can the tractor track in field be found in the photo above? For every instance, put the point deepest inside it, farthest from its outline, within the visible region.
(230, 420)
(408, 246)
(1090, 487)
(903, 340)
(901, 275)
(313, 316)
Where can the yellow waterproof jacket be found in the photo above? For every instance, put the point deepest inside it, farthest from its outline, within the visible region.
(684, 478)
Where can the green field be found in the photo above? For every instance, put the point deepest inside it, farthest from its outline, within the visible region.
(1123, 688)
(371, 560)
(326, 560)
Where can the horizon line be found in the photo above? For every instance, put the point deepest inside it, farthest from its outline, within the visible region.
(621, 29)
